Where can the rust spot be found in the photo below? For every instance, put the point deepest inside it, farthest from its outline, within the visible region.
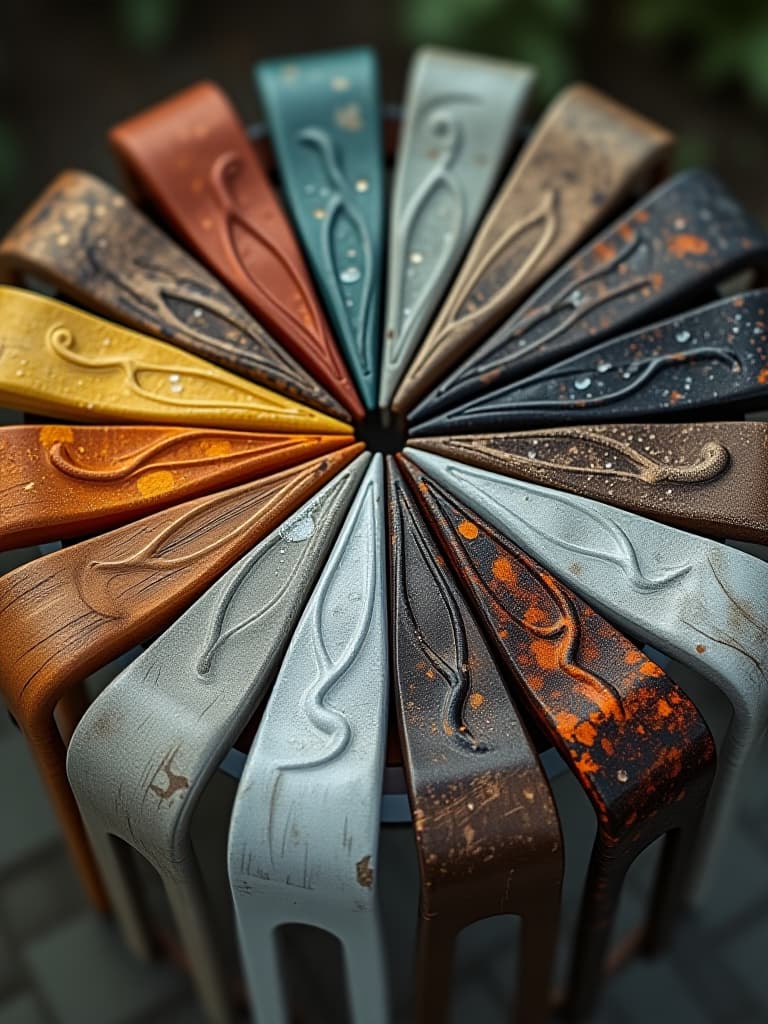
(664, 708)
(585, 733)
(700, 648)
(688, 245)
(476, 700)
(649, 669)
(762, 377)
(605, 251)
(364, 872)
(175, 781)
(503, 571)
(467, 530)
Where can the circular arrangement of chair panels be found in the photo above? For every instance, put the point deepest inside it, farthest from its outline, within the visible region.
(573, 343)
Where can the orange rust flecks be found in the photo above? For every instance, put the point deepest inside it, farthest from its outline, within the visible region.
(762, 377)
(503, 571)
(650, 668)
(605, 251)
(467, 529)
(476, 700)
(688, 245)
(700, 648)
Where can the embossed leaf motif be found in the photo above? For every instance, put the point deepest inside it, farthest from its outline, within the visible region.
(492, 284)
(344, 229)
(335, 602)
(430, 632)
(162, 384)
(578, 528)
(108, 585)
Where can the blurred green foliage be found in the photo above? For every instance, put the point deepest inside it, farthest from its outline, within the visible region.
(539, 31)
(718, 42)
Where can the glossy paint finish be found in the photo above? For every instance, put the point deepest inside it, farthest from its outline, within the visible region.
(715, 357)
(486, 826)
(60, 481)
(701, 603)
(671, 249)
(305, 825)
(461, 116)
(177, 709)
(77, 609)
(325, 122)
(583, 160)
(191, 156)
(707, 477)
(635, 742)
(61, 362)
(93, 245)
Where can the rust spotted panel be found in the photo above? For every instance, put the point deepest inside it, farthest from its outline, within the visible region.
(191, 157)
(583, 160)
(707, 477)
(60, 481)
(91, 243)
(77, 609)
(635, 742)
(487, 831)
(668, 251)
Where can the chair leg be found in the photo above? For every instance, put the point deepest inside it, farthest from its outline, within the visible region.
(435, 955)
(366, 970)
(602, 890)
(262, 968)
(118, 872)
(668, 899)
(537, 955)
(187, 897)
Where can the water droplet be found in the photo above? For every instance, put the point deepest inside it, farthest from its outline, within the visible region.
(351, 254)
(106, 342)
(350, 275)
(349, 303)
(609, 465)
(531, 454)
(177, 388)
(19, 373)
(340, 83)
(416, 257)
(582, 383)
(604, 367)
(622, 775)
(362, 185)
(174, 378)
(683, 336)
(319, 213)
(197, 313)
(679, 223)
(669, 490)
(575, 297)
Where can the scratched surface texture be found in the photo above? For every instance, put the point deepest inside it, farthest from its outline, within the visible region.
(667, 251)
(191, 157)
(76, 609)
(325, 123)
(178, 708)
(58, 361)
(582, 161)
(303, 843)
(486, 827)
(60, 481)
(461, 115)
(700, 602)
(714, 358)
(92, 244)
(708, 477)
(634, 740)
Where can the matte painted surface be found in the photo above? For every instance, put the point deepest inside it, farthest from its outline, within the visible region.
(461, 116)
(305, 826)
(191, 156)
(57, 361)
(325, 120)
(177, 709)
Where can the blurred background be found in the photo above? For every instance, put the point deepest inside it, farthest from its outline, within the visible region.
(71, 68)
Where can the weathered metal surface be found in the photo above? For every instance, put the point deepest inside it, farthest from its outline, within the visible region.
(715, 357)
(635, 742)
(583, 160)
(143, 753)
(190, 155)
(305, 825)
(461, 115)
(669, 250)
(701, 603)
(707, 477)
(325, 122)
(91, 243)
(74, 611)
(58, 361)
(61, 481)
(486, 826)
